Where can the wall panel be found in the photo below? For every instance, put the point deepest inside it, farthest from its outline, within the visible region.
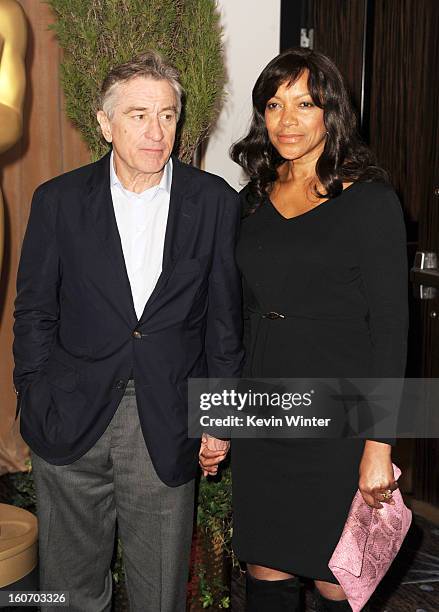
(338, 32)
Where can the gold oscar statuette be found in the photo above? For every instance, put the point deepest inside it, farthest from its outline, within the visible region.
(13, 35)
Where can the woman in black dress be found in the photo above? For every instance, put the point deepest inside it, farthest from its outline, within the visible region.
(322, 243)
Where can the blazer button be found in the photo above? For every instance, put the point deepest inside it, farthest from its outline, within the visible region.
(137, 334)
(119, 384)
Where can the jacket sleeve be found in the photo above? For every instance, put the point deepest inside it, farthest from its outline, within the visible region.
(37, 305)
(223, 344)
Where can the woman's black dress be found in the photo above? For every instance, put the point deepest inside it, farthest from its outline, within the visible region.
(339, 272)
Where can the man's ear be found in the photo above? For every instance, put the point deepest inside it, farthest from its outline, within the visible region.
(104, 122)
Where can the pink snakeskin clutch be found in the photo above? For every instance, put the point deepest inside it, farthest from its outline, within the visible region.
(370, 541)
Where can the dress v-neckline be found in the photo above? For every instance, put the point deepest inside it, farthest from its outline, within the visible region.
(311, 210)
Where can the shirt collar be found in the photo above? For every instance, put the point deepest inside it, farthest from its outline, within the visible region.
(165, 181)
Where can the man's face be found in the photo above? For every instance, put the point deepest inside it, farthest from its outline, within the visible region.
(142, 126)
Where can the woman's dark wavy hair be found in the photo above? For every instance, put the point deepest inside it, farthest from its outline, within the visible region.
(345, 158)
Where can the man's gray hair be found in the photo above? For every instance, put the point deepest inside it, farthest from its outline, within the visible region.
(148, 64)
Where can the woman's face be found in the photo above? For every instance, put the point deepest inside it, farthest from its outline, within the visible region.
(294, 123)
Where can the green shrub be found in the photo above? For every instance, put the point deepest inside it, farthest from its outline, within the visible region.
(98, 34)
(23, 490)
(214, 525)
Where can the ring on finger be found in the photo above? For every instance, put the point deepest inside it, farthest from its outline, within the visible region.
(387, 494)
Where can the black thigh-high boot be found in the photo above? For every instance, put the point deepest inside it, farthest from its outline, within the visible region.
(272, 595)
(329, 605)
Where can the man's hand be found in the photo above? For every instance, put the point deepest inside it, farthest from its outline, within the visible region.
(212, 452)
(377, 482)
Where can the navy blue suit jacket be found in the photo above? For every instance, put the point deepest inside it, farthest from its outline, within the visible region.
(77, 336)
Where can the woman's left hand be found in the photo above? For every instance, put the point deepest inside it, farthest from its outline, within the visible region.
(376, 474)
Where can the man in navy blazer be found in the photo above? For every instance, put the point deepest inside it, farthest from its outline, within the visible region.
(127, 286)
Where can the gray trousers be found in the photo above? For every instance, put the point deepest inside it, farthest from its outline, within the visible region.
(78, 506)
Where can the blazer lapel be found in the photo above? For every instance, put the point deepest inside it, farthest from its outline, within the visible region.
(100, 206)
(181, 217)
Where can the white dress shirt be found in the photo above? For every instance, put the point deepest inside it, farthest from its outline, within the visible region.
(141, 220)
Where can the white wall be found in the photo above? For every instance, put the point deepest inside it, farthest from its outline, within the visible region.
(251, 40)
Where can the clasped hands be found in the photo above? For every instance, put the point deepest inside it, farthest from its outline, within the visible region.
(212, 452)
